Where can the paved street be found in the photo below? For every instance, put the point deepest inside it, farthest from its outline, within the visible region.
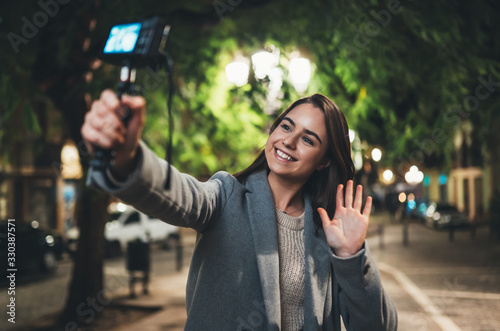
(38, 294)
(437, 285)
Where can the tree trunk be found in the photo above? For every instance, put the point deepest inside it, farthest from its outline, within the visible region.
(86, 296)
(66, 87)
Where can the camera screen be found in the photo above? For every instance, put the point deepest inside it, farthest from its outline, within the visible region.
(122, 38)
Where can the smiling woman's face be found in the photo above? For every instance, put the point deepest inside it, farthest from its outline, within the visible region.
(297, 147)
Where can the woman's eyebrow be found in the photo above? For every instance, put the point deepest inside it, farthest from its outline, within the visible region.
(305, 130)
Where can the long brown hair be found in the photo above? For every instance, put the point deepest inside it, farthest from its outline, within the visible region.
(322, 185)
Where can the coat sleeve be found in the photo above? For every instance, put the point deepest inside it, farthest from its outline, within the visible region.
(188, 202)
(364, 305)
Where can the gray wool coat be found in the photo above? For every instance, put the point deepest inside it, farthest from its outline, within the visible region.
(233, 281)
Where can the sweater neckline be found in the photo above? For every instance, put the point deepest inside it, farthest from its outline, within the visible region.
(295, 223)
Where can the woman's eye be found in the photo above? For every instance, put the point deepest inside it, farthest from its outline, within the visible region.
(308, 141)
(286, 127)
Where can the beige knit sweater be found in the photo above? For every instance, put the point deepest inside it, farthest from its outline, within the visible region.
(292, 272)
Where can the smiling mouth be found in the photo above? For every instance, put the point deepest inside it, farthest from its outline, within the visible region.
(284, 156)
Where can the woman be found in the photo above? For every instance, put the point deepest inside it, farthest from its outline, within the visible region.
(268, 256)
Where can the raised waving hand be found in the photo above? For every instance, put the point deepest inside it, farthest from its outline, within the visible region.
(346, 232)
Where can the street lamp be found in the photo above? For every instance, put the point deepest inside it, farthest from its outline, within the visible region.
(71, 167)
(376, 154)
(388, 176)
(402, 197)
(263, 63)
(352, 135)
(275, 79)
(237, 73)
(357, 156)
(414, 176)
(300, 73)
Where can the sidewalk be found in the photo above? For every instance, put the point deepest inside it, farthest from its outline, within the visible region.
(167, 293)
(418, 277)
(439, 284)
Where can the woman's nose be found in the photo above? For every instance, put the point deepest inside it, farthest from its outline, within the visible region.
(290, 142)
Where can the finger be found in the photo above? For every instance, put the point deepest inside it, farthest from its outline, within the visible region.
(87, 146)
(109, 126)
(340, 196)
(113, 127)
(358, 201)
(324, 216)
(348, 194)
(368, 207)
(100, 110)
(109, 98)
(95, 137)
(110, 102)
(134, 102)
(101, 120)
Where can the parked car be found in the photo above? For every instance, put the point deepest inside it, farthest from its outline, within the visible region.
(35, 248)
(131, 225)
(440, 216)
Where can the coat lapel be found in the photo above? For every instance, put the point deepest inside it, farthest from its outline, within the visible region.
(265, 238)
(317, 268)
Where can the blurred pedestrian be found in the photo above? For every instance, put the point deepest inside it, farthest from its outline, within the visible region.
(281, 245)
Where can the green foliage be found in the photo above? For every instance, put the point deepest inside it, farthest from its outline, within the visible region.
(29, 120)
(214, 128)
(397, 77)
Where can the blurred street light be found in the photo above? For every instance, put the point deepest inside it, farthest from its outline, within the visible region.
(402, 197)
(388, 176)
(358, 160)
(275, 79)
(265, 65)
(414, 176)
(356, 150)
(300, 73)
(71, 167)
(264, 62)
(352, 135)
(376, 154)
(237, 73)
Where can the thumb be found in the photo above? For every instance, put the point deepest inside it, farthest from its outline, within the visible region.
(325, 219)
(137, 107)
(134, 102)
(137, 117)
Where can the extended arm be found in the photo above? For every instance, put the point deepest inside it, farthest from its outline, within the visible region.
(188, 203)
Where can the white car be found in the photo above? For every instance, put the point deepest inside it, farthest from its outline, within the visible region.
(132, 225)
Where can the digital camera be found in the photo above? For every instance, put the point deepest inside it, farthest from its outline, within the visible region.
(138, 44)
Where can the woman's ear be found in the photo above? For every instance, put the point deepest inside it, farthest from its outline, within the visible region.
(323, 165)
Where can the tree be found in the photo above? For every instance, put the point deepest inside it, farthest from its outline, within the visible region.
(397, 69)
(61, 75)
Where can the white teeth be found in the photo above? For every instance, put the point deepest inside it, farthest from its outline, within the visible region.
(283, 155)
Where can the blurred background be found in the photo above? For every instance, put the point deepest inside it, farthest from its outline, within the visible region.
(418, 82)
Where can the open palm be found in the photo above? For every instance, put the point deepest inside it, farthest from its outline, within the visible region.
(346, 232)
